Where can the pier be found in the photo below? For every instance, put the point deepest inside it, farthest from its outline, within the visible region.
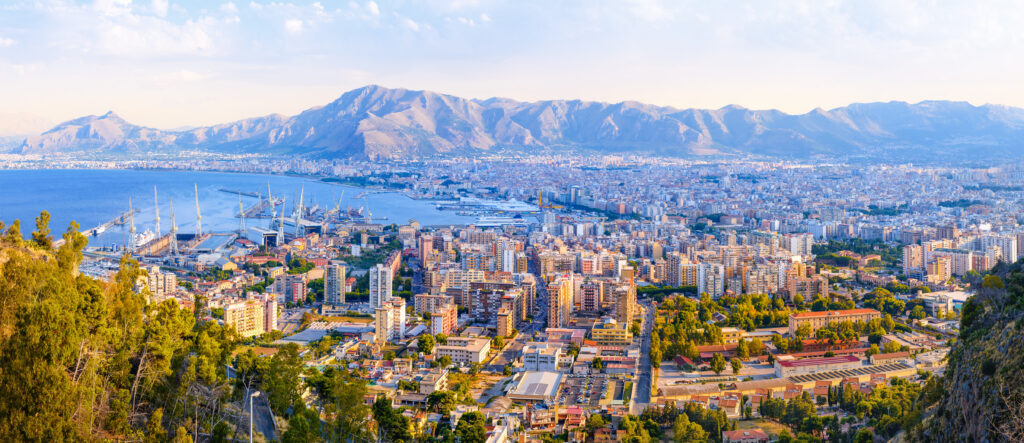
(116, 221)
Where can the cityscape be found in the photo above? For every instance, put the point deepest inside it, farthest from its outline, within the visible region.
(402, 265)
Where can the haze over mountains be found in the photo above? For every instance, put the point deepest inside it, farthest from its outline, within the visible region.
(379, 123)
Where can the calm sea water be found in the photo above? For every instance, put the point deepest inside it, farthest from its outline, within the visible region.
(92, 197)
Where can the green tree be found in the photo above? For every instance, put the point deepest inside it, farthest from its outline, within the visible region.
(718, 363)
(393, 426)
(737, 364)
(497, 342)
(597, 363)
(742, 349)
(992, 281)
(470, 428)
(41, 236)
(917, 313)
(441, 402)
(426, 343)
(282, 380)
(683, 430)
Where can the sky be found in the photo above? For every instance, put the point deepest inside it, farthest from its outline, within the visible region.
(170, 64)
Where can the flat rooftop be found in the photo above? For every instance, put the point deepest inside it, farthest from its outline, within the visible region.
(857, 372)
(819, 361)
(537, 385)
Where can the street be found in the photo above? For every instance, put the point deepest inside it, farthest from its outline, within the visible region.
(643, 389)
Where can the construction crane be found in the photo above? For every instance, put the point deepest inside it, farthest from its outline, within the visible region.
(174, 231)
(199, 216)
(298, 211)
(280, 224)
(273, 206)
(241, 214)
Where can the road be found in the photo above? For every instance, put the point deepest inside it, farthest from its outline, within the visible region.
(643, 389)
(264, 423)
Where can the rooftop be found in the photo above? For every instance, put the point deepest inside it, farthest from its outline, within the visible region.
(819, 361)
(835, 313)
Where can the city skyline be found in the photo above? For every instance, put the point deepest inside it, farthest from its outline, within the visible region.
(172, 64)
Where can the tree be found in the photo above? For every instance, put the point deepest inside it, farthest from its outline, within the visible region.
(683, 430)
(471, 428)
(597, 363)
(736, 366)
(303, 426)
(441, 339)
(41, 236)
(497, 342)
(635, 328)
(718, 363)
(803, 331)
(755, 347)
(798, 300)
(281, 382)
(393, 426)
(742, 351)
(426, 343)
(441, 402)
(891, 347)
(594, 422)
(990, 281)
(445, 361)
(917, 313)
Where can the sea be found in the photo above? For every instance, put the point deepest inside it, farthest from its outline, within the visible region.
(94, 196)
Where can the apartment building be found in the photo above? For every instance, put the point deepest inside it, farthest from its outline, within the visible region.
(465, 350)
(818, 320)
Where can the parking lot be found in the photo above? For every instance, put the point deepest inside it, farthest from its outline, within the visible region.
(586, 391)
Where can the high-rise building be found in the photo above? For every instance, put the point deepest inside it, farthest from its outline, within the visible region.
(334, 284)
(444, 320)
(253, 316)
(559, 302)
(625, 303)
(711, 279)
(390, 321)
(380, 285)
(591, 294)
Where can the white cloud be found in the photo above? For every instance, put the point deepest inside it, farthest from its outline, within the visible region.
(6, 42)
(159, 7)
(293, 25)
(484, 18)
(373, 8)
(229, 8)
(408, 23)
(113, 7)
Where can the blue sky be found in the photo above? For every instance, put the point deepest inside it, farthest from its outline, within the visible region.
(170, 63)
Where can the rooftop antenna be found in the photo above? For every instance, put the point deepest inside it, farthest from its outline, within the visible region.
(156, 206)
(174, 231)
(199, 216)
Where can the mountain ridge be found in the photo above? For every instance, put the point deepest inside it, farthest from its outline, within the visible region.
(376, 122)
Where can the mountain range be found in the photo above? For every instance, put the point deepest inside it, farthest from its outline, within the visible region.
(375, 122)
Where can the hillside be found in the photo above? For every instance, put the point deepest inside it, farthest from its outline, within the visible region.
(983, 389)
(378, 123)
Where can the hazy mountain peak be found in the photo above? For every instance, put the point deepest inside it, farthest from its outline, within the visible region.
(378, 122)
